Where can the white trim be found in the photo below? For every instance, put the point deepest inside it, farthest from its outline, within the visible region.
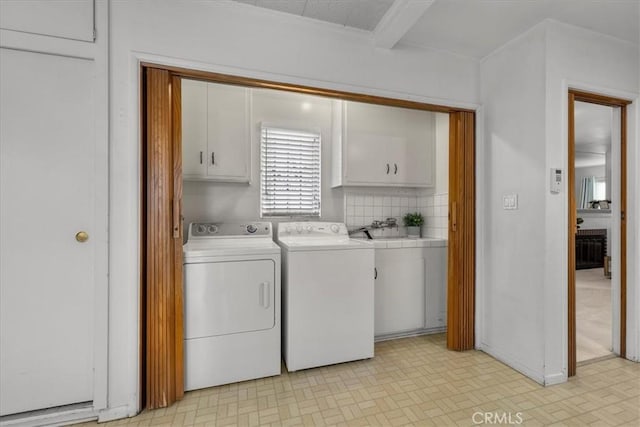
(162, 60)
(116, 413)
(101, 232)
(615, 237)
(38, 43)
(481, 203)
(554, 379)
(56, 416)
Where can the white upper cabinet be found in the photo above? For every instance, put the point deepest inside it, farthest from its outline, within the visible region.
(216, 138)
(194, 128)
(378, 145)
(56, 18)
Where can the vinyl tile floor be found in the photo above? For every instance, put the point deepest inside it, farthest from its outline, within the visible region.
(593, 314)
(413, 381)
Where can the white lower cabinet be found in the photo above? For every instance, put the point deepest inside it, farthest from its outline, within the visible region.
(410, 290)
(435, 287)
(399, 290)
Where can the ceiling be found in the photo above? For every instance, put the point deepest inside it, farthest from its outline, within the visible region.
(467, 27)
(592, 133)
(362, 14)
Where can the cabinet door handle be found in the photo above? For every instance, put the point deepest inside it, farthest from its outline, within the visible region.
(388, 169)
(213, 158)
(201, 157)
(375, 273)
(395, 170)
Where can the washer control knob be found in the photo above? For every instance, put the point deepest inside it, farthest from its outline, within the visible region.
(299, 228)
(251, 228)
(308, 228)
(212, 229)
(201, 229)
(335, 228)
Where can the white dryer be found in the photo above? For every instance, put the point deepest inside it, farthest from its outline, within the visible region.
(231, 303)
(328, 295)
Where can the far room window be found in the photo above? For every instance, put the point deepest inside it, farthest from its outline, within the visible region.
(290, 172)
(600, 190)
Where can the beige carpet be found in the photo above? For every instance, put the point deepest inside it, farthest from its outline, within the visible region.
(593, 314)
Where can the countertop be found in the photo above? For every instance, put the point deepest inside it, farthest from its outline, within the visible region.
(405, 242)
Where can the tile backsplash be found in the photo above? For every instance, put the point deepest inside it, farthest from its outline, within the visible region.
(363, 208)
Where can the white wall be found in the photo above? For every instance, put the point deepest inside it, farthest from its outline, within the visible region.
(512, 84)
(584, 60)
(213, 201)
(523, 282)
(232, 38)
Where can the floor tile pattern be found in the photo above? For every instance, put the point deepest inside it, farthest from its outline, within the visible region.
(413, 381)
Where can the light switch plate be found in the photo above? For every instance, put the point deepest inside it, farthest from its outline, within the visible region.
(510, 201)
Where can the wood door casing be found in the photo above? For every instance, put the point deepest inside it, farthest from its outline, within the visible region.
(573, 96)
(163, 284)
(461, 249)
(161, 278)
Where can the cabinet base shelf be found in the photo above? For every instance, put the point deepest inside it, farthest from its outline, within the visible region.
(407, 334)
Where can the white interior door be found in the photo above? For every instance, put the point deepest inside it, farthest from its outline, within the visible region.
(47, 195)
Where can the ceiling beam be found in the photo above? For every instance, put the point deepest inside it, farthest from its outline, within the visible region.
(398, 20)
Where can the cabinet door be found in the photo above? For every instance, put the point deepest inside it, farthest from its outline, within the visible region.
(367, 160)
(56, 18)
(194, 128)
(436, 287)
(399, 296)
(412, 156)
(228, 133)
(369, 131)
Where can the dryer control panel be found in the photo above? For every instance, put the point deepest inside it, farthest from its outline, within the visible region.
(227, 230)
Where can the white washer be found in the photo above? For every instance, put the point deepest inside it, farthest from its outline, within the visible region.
(328, 295)
(231, 303)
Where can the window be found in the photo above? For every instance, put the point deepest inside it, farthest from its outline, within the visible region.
(290, 172)
(600, 189)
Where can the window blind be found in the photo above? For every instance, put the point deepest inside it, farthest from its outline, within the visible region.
(290, 172)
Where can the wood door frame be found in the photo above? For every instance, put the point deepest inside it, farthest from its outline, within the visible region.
(157, 390)
(593, 98)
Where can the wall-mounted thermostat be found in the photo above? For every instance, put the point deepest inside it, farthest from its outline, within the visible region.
(555, 181)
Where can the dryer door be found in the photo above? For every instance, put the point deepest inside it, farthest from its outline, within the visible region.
(228, 297)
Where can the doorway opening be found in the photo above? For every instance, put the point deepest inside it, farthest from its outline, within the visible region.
(597, 228)
(162, 219)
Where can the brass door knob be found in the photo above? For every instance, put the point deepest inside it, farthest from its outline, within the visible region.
(82, 236)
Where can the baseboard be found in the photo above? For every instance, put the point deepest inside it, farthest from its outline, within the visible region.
(513, 363)
(51, 417)
(110, 414)
(414, 333)
(554, 379)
